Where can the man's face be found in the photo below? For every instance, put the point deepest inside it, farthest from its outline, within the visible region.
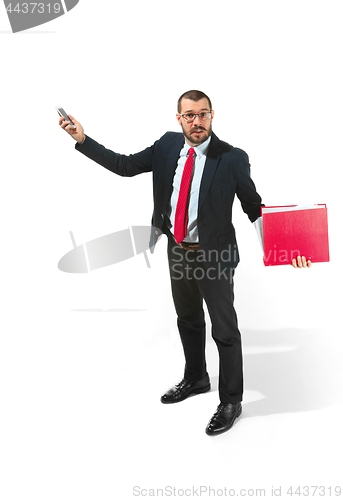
(199, 130)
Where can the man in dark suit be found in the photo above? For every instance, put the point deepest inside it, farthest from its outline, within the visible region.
(195, 179)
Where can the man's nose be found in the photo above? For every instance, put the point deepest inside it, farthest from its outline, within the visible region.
(196, 120)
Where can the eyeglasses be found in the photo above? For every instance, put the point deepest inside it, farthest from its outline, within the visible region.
(190, 117)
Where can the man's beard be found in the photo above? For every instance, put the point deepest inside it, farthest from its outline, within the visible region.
(193, 138)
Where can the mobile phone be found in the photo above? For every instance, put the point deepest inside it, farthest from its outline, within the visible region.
(61, 112)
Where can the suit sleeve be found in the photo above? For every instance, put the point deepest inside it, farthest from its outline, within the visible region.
(124, 165)
(246, 191)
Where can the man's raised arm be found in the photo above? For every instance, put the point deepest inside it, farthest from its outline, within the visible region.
(124, 165)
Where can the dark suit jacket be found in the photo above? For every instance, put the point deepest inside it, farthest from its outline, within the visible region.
(226, 173)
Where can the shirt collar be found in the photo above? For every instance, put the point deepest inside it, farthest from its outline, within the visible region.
(199, 150)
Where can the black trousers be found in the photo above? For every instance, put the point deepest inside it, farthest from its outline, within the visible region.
(193, 281)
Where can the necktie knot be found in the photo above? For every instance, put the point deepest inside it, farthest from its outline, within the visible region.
(190, 152)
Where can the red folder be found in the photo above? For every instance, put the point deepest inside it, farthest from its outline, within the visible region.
(289, 233)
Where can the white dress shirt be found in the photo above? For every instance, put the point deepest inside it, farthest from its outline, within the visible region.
(198, 168)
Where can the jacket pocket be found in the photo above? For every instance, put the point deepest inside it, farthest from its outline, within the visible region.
(220, 182)
(228, 237)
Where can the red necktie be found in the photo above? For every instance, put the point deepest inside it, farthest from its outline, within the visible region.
(181, 215)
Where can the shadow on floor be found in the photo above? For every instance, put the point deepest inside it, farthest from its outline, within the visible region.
(295, 370)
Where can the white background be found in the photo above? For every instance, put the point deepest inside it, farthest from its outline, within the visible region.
(85, 358)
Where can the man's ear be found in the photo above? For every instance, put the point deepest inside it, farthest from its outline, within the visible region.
(178, 117)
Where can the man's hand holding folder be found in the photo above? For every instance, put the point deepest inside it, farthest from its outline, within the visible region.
(301, 262)
(287, 234)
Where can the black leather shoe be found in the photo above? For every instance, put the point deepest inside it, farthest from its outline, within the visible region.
(185, 389)
(223, 419)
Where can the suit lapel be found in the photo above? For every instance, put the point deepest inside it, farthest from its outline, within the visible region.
(173, 156)
(212, 160)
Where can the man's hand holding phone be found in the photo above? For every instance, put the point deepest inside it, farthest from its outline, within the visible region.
(72, 126)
